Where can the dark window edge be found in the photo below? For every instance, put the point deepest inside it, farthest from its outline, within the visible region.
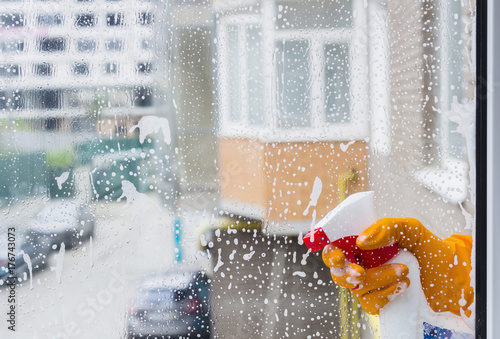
(481, 172)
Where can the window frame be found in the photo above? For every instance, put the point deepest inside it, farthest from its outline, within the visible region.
(448, 176)
(356, 129)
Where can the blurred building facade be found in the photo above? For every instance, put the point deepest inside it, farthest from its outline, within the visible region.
(75, 76)
(65, 61)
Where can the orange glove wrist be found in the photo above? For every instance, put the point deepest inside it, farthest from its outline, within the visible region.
(445, 264)
(374, 287)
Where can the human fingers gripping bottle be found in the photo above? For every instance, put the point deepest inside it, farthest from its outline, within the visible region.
(382, 287)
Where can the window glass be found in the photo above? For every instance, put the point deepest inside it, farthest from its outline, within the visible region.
(111, 68)
(50, 19)
(86, 45)
(9, 70)
(145, 18)
(52, 44)
(337, 83)
(12, 46)
(254, 62)
(294, 81)
(85, 20)
(234, 59)
(146, 44)
(81, 68)
(43, 69)
(310, 14)
(47, 99)
(144, 67)
(114, 45)
(114, 19)
(11, 20)
(213, 168)
(11, 100)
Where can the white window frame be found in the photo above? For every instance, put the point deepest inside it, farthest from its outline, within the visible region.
(450, 178)
(355, 37)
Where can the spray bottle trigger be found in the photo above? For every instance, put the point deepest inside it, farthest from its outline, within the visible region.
(317, 240)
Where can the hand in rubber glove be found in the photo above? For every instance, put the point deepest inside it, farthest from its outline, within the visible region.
(444, 267)
(373, 287)
(445, 264)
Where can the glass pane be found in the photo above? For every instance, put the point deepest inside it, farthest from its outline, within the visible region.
(11, 20)
(85, 20)
(293, 79)
(455, 71)
(310, 14)
(52, 44)
(337, 83)
(234, 60)
(254, 61)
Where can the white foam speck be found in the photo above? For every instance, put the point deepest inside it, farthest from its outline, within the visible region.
(150, 124)
(59, 262)
(219, 261)
(139, 200)
(344, 147)
(248, 256)
(62, 179)
(304, 257)
(299, 273)
(316, 192)
(203, 241)
(27, 259)
(462, 302)
(313, 223)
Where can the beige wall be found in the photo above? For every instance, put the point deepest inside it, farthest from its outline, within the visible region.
(278, 177)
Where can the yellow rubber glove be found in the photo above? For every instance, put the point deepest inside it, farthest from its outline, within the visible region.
(373, 287)
(445, 264)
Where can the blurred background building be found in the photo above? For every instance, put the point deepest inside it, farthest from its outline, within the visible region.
(72, 72)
